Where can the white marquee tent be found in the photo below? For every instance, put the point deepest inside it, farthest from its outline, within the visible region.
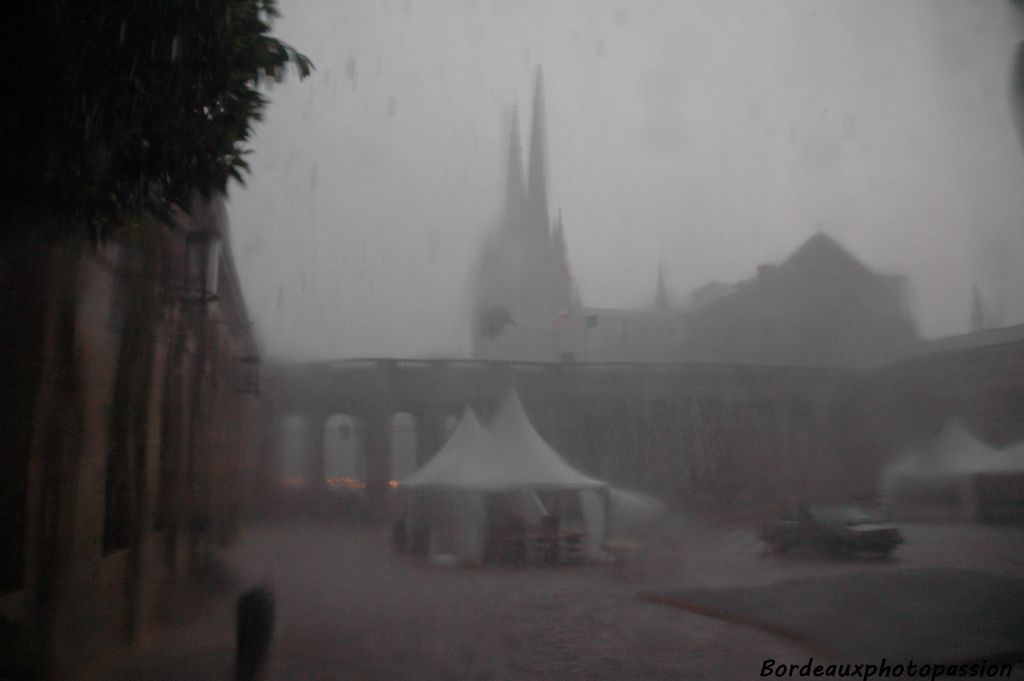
(939, 478)
(507, 462)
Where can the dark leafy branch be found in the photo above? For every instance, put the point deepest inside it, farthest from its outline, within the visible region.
(120, 109)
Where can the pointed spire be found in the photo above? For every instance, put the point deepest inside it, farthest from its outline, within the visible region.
(558, 236)
(515, 191)
(536, 181)
(562, 280)
(977, 312)
(661, 297)
(574, 297)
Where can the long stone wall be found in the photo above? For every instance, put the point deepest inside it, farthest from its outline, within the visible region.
(696, 435)
(706, 436)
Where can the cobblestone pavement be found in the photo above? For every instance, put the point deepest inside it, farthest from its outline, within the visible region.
(349, 608)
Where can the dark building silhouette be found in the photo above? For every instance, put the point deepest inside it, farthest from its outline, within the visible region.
(820, 307)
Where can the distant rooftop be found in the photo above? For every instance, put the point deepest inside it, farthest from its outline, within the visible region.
(967, 341)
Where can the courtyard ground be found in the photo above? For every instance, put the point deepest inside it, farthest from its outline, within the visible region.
(350, 608)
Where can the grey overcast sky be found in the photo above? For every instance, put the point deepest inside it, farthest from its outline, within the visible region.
(713, 135)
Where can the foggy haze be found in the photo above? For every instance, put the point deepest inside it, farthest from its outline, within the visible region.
(711, 135)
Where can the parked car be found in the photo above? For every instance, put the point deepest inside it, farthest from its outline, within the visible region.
(840, 531)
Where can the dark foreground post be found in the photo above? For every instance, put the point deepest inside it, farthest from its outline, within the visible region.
(255, 629)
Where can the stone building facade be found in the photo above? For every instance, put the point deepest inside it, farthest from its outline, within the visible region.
(131, 430)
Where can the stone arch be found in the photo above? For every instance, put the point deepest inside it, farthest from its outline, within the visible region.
(404, 438)
(344, 451)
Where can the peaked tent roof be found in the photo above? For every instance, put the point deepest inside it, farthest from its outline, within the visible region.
(509, 455)
(956, 451)
(467, 438)
(526, 459)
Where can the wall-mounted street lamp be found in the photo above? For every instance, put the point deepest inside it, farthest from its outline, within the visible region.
(248, 374)
(202, 264)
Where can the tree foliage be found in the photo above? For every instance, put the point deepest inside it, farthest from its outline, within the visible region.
(1017, 82)
(120, 109)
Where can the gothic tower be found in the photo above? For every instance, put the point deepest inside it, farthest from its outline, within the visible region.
(515, 190)
(524, 285)
(536, 181)
(661, 304)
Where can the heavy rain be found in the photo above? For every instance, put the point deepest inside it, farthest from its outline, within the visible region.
(481, 339)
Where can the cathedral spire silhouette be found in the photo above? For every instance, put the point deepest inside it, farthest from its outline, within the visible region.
(524, 271)
(536, 180)
(562, 284)
(558, 237)
(515, 190)
(661, 297)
